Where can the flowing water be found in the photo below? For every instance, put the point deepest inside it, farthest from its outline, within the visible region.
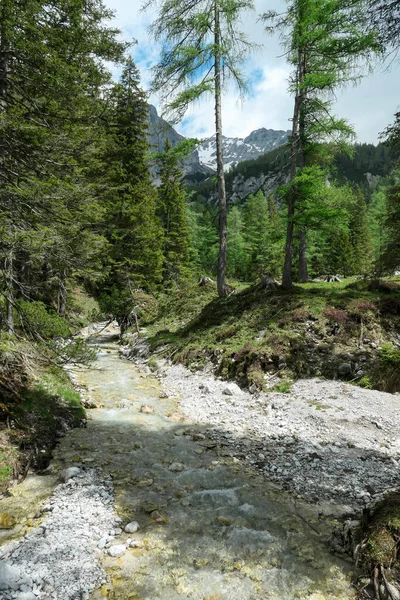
(220, 532)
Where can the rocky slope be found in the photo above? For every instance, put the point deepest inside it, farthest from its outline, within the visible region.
(203, 160)
(237, 150)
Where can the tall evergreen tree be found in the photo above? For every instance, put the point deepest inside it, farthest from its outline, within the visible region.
(360, 235)
(390, 258)
(51, 81)
(202, 48)
(134, 230)
(172, 211)
(256, 235)
(237, 259)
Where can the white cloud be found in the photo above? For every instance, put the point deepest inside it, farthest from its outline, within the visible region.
(370, 106)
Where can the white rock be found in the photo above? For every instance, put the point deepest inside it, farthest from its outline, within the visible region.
(132, 527)
(176, 467)
(70, 473)
(102, 543)
(117, 550)
(10, 576)
(227, 392)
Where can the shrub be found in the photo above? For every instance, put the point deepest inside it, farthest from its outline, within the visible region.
(335, 314)
(36, 319)
(389, 306)
(75, 350)
(385, 375)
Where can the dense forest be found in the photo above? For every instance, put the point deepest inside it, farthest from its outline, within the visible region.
(78, 204)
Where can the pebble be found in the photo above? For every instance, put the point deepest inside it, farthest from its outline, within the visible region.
(68, 474)
(132, 527)
(176, 467)
(117, 550)
(76, 514)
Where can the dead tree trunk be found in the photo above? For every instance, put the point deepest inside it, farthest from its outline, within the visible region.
(62, 294)
(9, 274)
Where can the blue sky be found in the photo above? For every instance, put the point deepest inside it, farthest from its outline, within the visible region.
(370, 106)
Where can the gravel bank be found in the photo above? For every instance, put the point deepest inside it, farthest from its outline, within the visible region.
(60, 560)
(324, 441)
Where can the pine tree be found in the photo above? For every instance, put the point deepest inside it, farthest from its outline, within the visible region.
(236, 263)
(132, 225)
(360, 236)
(51, 81)
(202, 47)
(172, 211)
(390, 258)
(203, 238)
(256, 235)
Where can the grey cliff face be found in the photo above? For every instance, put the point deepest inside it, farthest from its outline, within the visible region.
(203, 159)
(159, 131)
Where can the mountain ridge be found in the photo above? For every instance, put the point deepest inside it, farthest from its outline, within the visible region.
(202, 161)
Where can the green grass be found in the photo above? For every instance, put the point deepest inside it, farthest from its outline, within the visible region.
(252, 331)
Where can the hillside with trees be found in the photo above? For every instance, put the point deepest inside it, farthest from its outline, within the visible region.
(285, 267)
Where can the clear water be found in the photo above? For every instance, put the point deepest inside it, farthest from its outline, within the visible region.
(225, 533)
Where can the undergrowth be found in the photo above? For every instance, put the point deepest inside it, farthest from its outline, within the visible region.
(254, 333)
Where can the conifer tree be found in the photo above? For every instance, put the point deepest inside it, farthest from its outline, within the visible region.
(256, 235)
(360, 236)
(172, 211)
(390, 258)
(202, 48)
(132, 225)
(51, 81)
(325, 40)
(236, 264)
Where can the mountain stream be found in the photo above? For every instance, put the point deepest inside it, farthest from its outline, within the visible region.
(209, 527)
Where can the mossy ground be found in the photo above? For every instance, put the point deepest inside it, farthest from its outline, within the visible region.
(306, 332)
(379, 539)
(38, 403)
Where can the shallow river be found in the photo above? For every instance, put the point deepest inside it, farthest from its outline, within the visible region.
(222, 533)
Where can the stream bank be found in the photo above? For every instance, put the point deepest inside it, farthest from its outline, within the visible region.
(209, 524)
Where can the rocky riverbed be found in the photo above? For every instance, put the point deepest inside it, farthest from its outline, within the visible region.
(176, 489)
(324, 441)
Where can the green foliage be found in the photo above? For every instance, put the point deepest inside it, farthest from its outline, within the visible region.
(237, 255)
(172, 211)
(195, 37)
(132, 226)
(284, 387)
(385, 375)
(203, 238)
(36, 320)
(390, 256)
(53, 88)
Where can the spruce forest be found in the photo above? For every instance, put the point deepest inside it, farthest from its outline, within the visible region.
(281, 268)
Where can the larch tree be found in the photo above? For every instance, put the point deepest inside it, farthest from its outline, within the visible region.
(202, 49)
(325, 43)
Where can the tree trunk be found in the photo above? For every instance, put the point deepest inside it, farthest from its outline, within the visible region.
(303, 271)
(287, 269)
(223, 231)
(62, 295)
(303, 268)
(10, 292)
